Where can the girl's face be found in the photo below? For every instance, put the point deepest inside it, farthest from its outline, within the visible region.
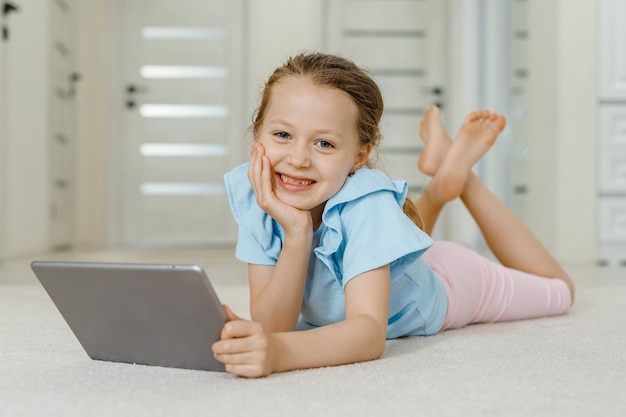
(310, 136)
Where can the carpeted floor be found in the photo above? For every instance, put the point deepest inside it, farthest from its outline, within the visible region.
(573, 365)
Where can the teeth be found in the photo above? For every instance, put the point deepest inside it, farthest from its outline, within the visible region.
(294, 181)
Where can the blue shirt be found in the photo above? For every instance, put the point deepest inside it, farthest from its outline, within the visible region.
(363, 228)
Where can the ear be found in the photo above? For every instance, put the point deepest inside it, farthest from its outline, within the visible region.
(362, 156)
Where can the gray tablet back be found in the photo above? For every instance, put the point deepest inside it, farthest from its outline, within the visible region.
(163, 315)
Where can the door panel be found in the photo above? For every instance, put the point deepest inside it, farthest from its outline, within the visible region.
(181, 93)
(401, 43)
(387, 53)
(376, 14)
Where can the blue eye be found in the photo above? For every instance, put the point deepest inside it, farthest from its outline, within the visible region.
(282, 135)
(324, 144)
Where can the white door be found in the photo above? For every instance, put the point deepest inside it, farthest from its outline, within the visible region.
(8, 8)
(402, 43)
(180, 92)
(62, 134)
(4, 29)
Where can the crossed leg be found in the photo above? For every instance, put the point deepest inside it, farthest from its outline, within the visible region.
(450, 165)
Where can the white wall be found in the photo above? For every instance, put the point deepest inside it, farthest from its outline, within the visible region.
(93, 131)
(26, 66)
(562, 126)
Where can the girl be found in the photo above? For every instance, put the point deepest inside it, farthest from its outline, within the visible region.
(337, 252)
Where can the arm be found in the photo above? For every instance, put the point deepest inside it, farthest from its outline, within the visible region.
(276, 292)
(249, 351)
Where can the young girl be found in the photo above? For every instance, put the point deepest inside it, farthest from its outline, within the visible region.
(335, 264)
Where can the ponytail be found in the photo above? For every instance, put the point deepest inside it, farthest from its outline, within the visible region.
(411, 212)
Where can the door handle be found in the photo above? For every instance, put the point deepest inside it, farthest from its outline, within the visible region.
(133, 88)
(7, 8)
(74, 78)
(437, 91)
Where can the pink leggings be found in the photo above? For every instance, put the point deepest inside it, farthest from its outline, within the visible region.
(481, 291)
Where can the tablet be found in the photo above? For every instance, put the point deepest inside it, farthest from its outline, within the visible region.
(161, 315)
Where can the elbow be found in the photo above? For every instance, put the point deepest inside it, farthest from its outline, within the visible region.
(377, 341)
(377, 352)
(374, 351)
(379, 347)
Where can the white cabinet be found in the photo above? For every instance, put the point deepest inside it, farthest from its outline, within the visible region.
(613, 222)
(611, 140)
(612, 148)
(612, 46)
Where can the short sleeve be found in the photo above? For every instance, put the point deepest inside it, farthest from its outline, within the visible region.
(259, 236)
(250, 250)
(377, 232)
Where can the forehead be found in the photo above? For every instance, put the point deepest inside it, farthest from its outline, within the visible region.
(299, 84)
(296, 94)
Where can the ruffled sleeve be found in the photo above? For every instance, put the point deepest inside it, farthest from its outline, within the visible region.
(368, 229)
(260, 237)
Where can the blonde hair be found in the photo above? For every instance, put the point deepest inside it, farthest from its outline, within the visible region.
(340, 73)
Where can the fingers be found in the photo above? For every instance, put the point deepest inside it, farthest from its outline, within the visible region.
(266, 176)
(255, 168)
(260, 175)
(249, 365)
(240, 328)
(244, 348)
(230, 314)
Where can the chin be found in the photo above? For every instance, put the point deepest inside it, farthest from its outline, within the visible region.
(293, 202)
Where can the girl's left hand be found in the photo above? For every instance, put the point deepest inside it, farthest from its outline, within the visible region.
(244, 347)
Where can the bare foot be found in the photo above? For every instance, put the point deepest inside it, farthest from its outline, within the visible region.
(476, 135)
(436, 140)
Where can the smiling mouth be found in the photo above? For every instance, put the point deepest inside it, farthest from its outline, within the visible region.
(295, 181)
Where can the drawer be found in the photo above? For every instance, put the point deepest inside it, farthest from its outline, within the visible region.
(612, 169)
(612, 219)
(612, 126)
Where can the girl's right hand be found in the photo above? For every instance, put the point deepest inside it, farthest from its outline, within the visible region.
(244, 348)
(261, 178)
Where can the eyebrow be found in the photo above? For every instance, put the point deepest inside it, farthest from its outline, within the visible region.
(321, 131)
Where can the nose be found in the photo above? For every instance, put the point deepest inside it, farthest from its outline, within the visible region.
(298, 156)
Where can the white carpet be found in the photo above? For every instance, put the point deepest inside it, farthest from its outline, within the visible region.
(573, 365)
